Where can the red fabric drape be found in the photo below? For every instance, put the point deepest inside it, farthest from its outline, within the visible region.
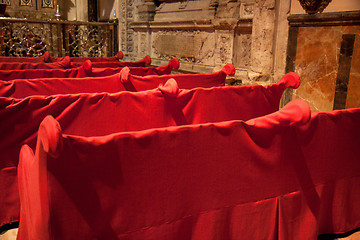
(65, 63)
(141, 63)
(185, 81)
(21, 88)
(86, 70)
(115, 58)
(282, 176)
(100, 114)
(43, 58)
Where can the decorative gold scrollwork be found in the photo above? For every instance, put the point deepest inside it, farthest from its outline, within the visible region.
(33, 38)
(88, 40)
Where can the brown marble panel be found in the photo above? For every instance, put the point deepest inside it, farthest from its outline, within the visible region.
(353, 94)
(317, 58)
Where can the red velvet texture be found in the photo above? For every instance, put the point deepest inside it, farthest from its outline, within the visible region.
(43, 58)
(21, 88)
(86, 70)
(65, 63)
(115, 58)
(184, 81)
(101, 114)
(281, 176)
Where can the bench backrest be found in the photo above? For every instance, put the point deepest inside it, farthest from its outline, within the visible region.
(280, 173)
(122, 81)
(86, 70)
(103, 113)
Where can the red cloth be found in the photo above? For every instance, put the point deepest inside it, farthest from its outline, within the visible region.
(141, 63)
(115, 58)
(184, 81)
(86, 70)
(282, 176)
(122, 81)
(35, 65)
(101, 114)
(43, 58)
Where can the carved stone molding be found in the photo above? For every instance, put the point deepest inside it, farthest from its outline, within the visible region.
(314, 6)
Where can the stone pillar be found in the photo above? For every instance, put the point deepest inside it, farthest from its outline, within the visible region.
(281, 37)
(126, 34)
(262, 44)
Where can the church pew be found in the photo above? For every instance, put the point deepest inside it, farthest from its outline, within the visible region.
(86, 70)
(141, 63)
(285, 175)
(123, 81)
(103, 113)
(185, 81)
(115, 58)
(65, 63)
(42, 58)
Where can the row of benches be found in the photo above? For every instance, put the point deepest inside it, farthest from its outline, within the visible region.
(172, 157)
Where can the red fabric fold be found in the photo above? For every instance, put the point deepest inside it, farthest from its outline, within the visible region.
(185, 81)
(202, 181)
(65, 63)
(43, 58)
(100, 114)
(20, 88)
(86, 70)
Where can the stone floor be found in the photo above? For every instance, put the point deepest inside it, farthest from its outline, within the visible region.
(11, 235)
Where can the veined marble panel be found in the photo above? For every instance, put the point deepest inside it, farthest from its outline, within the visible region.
(317, 63)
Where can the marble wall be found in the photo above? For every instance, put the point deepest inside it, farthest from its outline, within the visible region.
(327, 59)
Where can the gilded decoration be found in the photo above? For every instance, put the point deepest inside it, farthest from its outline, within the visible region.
(314, 6)
(26, 3)
(48, 4)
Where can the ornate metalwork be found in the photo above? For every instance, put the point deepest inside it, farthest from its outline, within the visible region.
(87, 40)
(26, 3)
(19, 37)
(25, 39)
(314, 6)
(48, 4)
(8, 2)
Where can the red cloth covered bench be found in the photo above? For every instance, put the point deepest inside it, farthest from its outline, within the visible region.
(65, 63)
(103, 113)
(86, 70)
(280, 176)
(115, 58)
(122, 81)
(141, 63)
(185, 81)
(44, 58)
